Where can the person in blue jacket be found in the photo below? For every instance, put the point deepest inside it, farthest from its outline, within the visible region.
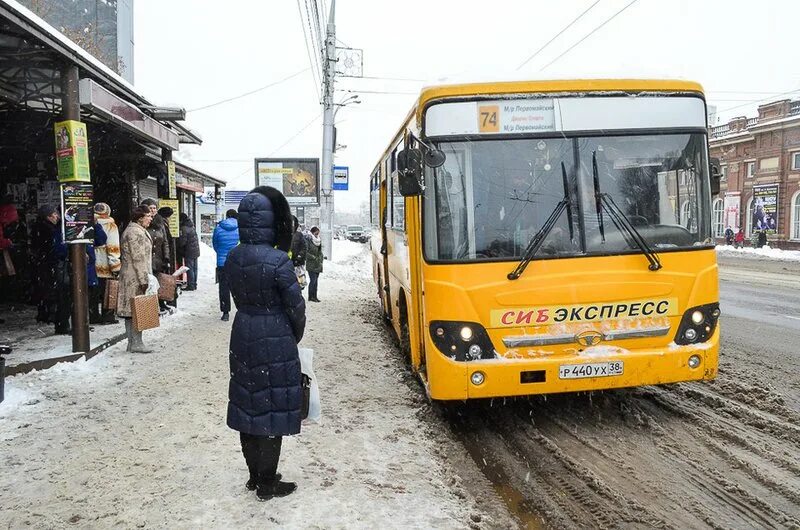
(265, 395)
(225, 238)
(95, 289)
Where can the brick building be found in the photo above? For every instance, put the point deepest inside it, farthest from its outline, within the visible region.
(760, 187)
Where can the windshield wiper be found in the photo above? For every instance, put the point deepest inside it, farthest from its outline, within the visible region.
(537, 240)
(619, 219)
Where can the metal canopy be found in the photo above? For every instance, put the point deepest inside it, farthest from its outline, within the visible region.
(32, 54)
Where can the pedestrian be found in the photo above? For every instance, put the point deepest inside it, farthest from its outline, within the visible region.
(738, 241)
(299, 247)
(52, 270)
(762, 238)
(14, 245)
(225, 238)
(166, 213)
(729, 236)
(188, 247)
(107, 261)
(134, 276)
(92, 280)
(159, 236)
(265, 393)
(314, 259)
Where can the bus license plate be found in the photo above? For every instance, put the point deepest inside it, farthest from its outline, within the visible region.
(581, 371)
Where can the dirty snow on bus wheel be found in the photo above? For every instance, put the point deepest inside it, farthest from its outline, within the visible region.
(128, 441)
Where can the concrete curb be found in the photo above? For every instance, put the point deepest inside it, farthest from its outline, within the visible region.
(44, 364)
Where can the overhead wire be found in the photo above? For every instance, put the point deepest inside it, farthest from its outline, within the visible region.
(759, 100)
(298, 133)
(311, 61)
(615, 15)
(249, 93)
(565, 28)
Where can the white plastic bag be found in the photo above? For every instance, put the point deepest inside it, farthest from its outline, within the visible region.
(300, 272)
(306, 366)
(152, 285)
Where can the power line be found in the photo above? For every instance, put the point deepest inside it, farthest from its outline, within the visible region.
(311, 60)
(615, 15)
(526, 61)
(385, 92)
(298, 133)
(759, 100)
(240, 96)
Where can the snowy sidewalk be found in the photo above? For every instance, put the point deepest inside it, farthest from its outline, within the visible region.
(35, 343)
(140, 440)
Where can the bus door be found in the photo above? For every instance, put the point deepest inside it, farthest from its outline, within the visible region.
(386, 293)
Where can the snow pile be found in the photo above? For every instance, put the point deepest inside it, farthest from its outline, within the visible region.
(351, 262)
(765, 252)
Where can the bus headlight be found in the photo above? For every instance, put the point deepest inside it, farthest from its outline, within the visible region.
(698, 324)
(477, 378)
(694, 361)
(461, 341)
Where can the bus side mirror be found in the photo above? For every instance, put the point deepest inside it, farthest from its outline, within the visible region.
(409, 184)
(409, 171)
(716, 175)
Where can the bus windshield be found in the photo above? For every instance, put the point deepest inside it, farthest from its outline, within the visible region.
(491, 196)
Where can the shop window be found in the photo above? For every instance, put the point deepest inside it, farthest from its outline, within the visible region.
(795, 216)
(717, 209)
(748, 220)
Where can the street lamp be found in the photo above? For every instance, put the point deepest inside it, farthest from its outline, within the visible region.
(350, 100)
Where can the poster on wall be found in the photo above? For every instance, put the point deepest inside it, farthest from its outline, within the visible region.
(730, 217)
(174, 220)
(297, 178)
(76, 203)
(765, 208)
(72, 151)
(173, 191)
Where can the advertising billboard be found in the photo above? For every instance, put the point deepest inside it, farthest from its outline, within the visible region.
(72, 151)
(77, 200)
(765, 208)
(730, 216)
(296, 178)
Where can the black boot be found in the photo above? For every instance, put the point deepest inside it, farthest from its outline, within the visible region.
(252, 482)
(274, 488)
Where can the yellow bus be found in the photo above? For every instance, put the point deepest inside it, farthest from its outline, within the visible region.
(549, 236)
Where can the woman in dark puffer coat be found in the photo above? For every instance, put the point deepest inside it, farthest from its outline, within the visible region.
(265, 393)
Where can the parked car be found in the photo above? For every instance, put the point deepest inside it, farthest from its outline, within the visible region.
(356, 233)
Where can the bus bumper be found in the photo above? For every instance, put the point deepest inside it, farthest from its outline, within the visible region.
(450, 380)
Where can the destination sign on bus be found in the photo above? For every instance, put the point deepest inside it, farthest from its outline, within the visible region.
(559, 314)
(536, 115)
(526, 116)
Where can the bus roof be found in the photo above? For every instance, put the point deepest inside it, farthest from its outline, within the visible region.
(430, 93)
(558, 85)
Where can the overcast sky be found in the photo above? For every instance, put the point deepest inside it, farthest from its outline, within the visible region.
(194, 53)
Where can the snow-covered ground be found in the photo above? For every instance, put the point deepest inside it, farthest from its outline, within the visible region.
(766, 252)
(132, 440)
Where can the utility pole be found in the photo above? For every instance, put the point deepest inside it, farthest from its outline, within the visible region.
(328, 76)
(71, 110)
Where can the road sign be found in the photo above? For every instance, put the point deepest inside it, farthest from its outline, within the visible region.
(341, 178)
